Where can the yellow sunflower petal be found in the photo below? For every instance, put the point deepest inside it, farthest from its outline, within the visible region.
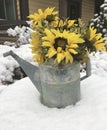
(98, 36)
(47, 44)
(92, 32)
(66, 34)
(100, 46)
(68, 57)
(49, 35)
(31, 16)
(40, 11)
(73, 45)
(100, 41)
(60, 57)
(51, 52)
(56, 33)
(50, 11)
(75, 38)
(61, 23)
(73, 51)
(48, 38)
(70, 22)
(39, 58)
(35, 43)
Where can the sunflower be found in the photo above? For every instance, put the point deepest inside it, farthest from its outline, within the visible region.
(61, 45)
(62, 40)
(94, 40)
(36, 48)
(71, 23)
(62, 24)
(48, 14)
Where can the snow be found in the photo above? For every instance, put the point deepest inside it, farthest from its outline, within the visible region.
(20, 106)
(23, 33)
(21, 109)
(103, 5)
(8, 64)
(105, 8)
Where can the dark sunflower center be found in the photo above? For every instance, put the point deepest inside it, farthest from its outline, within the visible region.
(60, 42)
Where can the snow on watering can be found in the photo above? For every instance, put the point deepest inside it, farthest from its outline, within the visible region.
(58, 87)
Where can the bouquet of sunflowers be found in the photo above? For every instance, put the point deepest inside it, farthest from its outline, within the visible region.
(59, 40)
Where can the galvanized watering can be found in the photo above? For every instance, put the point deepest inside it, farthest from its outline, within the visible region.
(58, 87)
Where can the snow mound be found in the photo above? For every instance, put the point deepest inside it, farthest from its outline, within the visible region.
(21, 109)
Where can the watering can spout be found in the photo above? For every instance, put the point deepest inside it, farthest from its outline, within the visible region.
(32, 71)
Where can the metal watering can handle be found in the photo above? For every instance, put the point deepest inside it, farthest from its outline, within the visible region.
(88, 70)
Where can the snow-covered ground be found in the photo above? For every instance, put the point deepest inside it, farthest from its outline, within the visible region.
(8, 64)
(20, 107)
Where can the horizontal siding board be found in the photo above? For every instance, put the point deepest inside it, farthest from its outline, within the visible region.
(87, 10)
(5, 24)
(34, 5)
